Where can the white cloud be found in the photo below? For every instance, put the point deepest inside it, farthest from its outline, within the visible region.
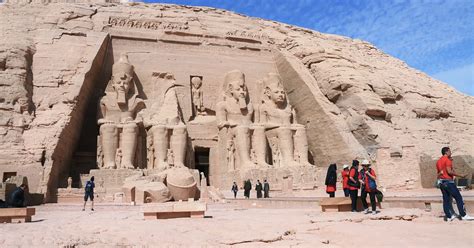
(462, 78)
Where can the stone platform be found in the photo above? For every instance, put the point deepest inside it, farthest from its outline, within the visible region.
(170, 210)
(16, 215)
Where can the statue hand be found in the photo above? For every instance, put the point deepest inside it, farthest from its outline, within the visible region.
(104, 121)
(222, 124)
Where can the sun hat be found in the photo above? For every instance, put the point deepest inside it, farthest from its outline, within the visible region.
(365, 162)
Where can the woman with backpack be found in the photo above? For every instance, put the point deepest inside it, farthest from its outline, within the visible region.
(354, 184)
(369, 186)
(331, 179)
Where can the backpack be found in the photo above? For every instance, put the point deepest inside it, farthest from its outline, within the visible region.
(372, 183)
(356, 178)
(89, 187)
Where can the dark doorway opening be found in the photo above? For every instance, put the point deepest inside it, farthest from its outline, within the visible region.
(201, 159)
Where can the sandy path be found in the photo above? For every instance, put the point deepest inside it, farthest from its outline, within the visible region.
(123, 226)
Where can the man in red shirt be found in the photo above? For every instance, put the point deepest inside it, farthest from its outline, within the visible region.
(446, 175)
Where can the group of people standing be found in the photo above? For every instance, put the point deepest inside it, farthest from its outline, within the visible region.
(354, 179)
(248, 187)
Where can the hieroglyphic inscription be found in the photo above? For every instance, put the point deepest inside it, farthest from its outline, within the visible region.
(246, 34)
(124, 22)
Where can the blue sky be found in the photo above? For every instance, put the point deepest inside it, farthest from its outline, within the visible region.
(434, 36)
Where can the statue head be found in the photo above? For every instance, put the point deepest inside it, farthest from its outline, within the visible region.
(236, 88)
(196, 82)
(274, 89)
(122, 78)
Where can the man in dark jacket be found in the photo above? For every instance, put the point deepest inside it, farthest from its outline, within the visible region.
(259, 188)
(17, 199)
(247, 188)
(266, 189)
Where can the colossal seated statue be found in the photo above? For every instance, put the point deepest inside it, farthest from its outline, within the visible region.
(282, 130)
(235, 113)
(119, 118)
(166, 130)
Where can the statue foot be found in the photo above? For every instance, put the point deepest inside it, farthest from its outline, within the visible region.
(249, 165)
(179, 165)
(127, 166)
(109, 165)
(162, 166)
(264, 164)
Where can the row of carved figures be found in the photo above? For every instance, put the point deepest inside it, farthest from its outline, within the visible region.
(247, 133)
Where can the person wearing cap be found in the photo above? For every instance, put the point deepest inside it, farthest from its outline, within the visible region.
(367, 179)
(446, 174)
(331, 179)
(345, 179)
(354, 184)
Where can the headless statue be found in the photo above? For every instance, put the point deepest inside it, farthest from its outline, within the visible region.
(279, 120)
(166, 127)
(118, 117)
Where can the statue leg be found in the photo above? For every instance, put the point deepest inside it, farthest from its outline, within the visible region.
(301, 145)
(285, 141)
(259, 144)
(129, 145)
(160, 142)
(242, 137)
(178, 145)
(109, 138)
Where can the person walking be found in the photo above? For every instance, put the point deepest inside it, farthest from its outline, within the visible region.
(345, 179)
(89, 193)
(17, 198)
(331, 179)
(234, 189)
(259, 188)
(247, 188)
(354, 184)
(446, 174)
(266, 189)
(369, 186)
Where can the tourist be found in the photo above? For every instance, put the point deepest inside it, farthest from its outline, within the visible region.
(259, 188)
(17, 198)
(331, 179)
(89, 193)
(234, 189)
(266, 189)
(369, 186)
(247, 188)
(446, 175)
(354, 184)
(345, 179)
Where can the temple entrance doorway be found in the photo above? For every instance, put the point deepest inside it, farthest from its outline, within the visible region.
(201, 161)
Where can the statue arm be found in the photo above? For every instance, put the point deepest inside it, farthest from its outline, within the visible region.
(221, 115)
(101, 119)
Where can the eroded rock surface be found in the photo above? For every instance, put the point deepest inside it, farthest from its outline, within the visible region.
(352, 98)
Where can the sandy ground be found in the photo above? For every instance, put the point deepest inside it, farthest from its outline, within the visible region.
(227, 225)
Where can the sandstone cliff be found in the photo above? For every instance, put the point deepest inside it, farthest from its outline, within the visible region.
(355, 100)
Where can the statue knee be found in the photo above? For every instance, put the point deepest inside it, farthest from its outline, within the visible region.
(108, 128)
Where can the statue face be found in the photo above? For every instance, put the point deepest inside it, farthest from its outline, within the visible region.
(122, 82)
(277, 95)
(238, 89)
